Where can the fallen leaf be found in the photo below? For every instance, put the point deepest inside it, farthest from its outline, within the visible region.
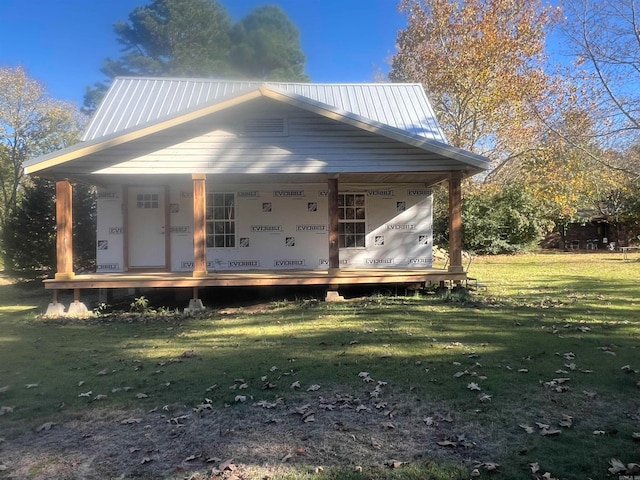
(99, 397)
(241, 398)
(542, 425)
(130, 421)
(527, 428)
(447, 443)
(535, 467)
(189, 353)
(286, 458)
(145, 460)
(523, 370)
(550, 432)
(45, 426)
(32, 385)
(636, 436)
(460, 374)
(490, 466)
(191, 457)
(227, 465)
(313, 388)
(295, 385)
(473, 386)
(141, 395)
(6, 409)
(393, 463)
(389, 425)
(599, 432)
(567, 421)
(102, 372)
(5, 389)
(483, 398)
(617, 466)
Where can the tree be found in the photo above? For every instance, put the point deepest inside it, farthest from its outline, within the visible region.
(266, 45)
(32, 222)
(504, 219)
(31, 124)
(604, 37)
(483, 65)
(168, 38)
(196, 38)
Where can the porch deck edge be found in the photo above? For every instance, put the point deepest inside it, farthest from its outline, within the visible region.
(252, 278)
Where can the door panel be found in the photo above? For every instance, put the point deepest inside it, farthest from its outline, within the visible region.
(146, 227)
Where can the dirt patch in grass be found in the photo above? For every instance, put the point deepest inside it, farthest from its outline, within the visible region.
(257, 439)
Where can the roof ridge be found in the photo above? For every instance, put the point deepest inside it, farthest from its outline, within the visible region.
(223, 80)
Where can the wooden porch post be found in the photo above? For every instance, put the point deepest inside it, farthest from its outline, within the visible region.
(455, 223)
(199, 226)
(334, 225)
(64, 230)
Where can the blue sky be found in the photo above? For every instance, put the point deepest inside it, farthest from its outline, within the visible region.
(62, 43)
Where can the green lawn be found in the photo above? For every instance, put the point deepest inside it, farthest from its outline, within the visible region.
(305, 389)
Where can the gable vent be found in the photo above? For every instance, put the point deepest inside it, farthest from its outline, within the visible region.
(263, 127)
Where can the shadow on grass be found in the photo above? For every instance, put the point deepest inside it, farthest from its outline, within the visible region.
(426, 350)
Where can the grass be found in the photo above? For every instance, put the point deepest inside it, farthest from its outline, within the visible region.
(544, 317)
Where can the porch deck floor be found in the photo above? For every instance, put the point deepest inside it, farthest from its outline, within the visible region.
(254, 278)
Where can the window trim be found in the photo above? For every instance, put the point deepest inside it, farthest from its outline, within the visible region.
(210, 220)
(354, 221)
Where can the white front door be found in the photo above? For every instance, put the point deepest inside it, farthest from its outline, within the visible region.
(146, 227)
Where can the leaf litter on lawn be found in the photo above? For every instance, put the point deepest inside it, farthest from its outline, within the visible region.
(108, 442)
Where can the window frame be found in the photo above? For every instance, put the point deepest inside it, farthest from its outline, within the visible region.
(221, 220)
(349, 215)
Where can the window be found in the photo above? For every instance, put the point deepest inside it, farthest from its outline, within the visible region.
(147, 200)
(351, 212)
(221, 220)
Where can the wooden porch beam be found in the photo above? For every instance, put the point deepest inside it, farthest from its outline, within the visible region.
(199, 225)
(334, 225)
(64, 230)
(455, 223)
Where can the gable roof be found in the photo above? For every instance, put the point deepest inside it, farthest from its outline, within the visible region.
(138, 108)
(135, 101)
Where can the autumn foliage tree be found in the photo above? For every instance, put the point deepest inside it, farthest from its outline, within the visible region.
(482, 64)
(31, 124)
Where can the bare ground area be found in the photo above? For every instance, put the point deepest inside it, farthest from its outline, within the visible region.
(250, 440)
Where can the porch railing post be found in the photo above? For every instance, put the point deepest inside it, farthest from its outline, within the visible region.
(455, 223)
(64, 230)
(199, 226)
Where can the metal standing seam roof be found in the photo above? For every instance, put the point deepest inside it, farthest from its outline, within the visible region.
(133, 102)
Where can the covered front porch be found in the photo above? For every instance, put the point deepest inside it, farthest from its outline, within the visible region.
(201, 276)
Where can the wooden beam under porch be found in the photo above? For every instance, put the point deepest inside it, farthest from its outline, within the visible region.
(256, 278)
